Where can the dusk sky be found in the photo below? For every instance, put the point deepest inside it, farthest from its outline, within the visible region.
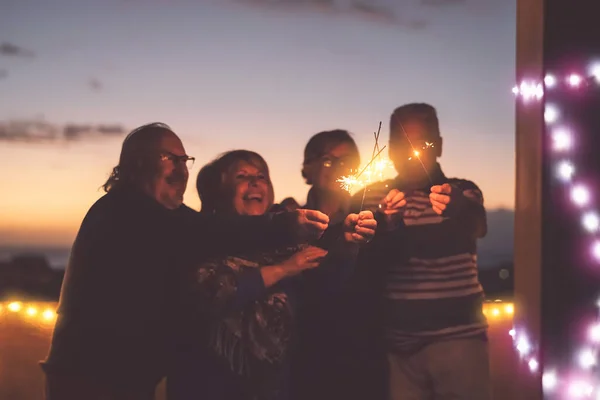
(256, 74)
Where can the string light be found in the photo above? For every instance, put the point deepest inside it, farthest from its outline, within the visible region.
(529, 90)
(580, 381)
(591, 221)
(596, 250)
(47, 311)
(534, 90)
(15, 306)
(562, 140)
(580, 195)
(595, 72)
(33, 312)
(498, 310)
(565, 171)
(550, 114)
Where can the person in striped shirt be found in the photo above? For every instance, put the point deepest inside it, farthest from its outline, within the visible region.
(430, 298)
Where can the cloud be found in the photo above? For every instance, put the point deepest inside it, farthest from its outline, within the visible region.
(360, 9)
(95, 84)
(322, 6)
(441, 3)
(3, 73)
(11, 50)
(374, 12)
(39, 131)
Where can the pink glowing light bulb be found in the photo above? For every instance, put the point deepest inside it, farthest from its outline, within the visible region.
(595, 250)
(595, 71)
(580, 195)
(587, 358)
(533, 365)
(523, 346)
(549, 81)
(562, 139)
(574, 80)
(529, 90)
(549, 381)
(591, 221)
(550, 114)
(594, 333)
(580, 389)
(565, 171)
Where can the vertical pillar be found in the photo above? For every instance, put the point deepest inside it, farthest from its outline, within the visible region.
(557, 273)
(528, 202)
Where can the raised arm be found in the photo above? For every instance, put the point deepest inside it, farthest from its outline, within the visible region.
(216, 235)
(461, 199)
(219, 289)
(231, 284)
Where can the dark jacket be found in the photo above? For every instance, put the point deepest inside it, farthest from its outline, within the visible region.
(121, 296)
(239, 349)
(321, 362)
(245, 352)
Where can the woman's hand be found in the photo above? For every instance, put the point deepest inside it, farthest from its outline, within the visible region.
(308, 258)
(310, 224)
(359, 228)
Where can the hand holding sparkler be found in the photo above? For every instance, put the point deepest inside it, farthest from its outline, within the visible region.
(309, 224)
(441, 197)
(393, 202)
(392, 206)
(360, 228)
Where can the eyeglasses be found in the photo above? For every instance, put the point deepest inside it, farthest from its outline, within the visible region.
(175, 159)
(330, 162)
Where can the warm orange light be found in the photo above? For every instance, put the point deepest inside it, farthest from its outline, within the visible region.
(48, 315)
(498, 310)
(15, 306)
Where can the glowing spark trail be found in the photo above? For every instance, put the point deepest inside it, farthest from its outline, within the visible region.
(417, 153)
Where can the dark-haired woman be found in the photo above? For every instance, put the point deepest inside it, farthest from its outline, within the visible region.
(323, 365)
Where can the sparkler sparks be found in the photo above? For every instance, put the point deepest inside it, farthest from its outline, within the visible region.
(417, 153)
(372, 172)
(378, 165)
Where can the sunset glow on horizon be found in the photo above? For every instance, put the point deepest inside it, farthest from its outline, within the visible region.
(229, 75)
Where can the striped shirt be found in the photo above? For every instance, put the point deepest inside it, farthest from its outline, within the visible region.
(428, 266)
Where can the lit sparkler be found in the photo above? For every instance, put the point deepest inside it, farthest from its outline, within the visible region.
(378, 165)
(372, 172)
(417, 153)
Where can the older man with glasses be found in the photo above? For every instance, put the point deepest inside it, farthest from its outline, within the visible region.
(124, 289)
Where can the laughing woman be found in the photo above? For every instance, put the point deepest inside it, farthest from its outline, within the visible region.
(238, 350)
